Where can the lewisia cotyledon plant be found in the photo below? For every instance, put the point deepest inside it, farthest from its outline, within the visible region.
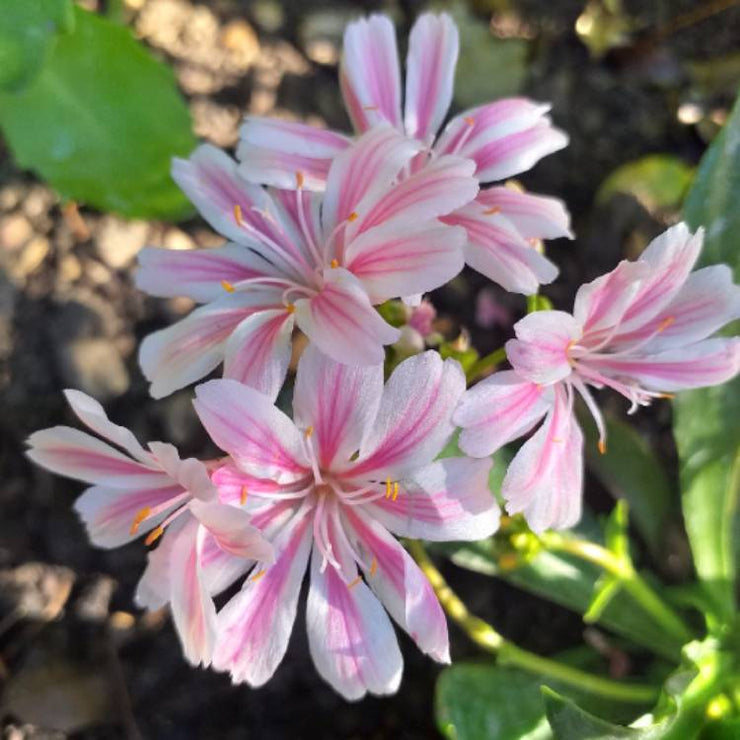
(503, 139)
(138, 491)
(319, 262)
(355, 465)
(641, 330)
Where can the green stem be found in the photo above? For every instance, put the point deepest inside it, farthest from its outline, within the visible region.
(630, 579)
(484, 364)
(484, 635)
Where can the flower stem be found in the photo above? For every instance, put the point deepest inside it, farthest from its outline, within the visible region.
(508, 654)
(631, 581)
(481, 367)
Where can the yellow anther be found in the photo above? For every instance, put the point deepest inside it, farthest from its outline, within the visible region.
(369, 107)
(353, 216)
(238, 214)
(139, 518)
(334, 264)
(388, 489)
(395, 491)
(154, 535)
(469, 120)
(227, 286)
(299, 180)
(557, 440)
(309, 432)
(602, 447)
(374, 567)
(666, 323)
(243, 495)
(667, 395)
(352, 584)
(258, 575)
(492, 211)
(290, 308)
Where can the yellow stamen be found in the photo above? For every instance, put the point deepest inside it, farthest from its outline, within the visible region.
(309, 432)
(299, 180)
(154, 535)
(353, 216)
(259, 575)
(243, 495)
(352, 584)
(395, 491)
(139, 518)
(492, 211)
(374, 567)
(667, 395)
(227, 286)
(666, 323)
(557, 440)
(469, 120)
(369, 107)
(388, 487)
(238, 214)
(334, 264)
(602, 447)
(290, 308)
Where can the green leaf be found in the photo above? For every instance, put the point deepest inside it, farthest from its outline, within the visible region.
(629, 470)
(657, 181)
(101, 122)
(28, 31)
(569, 722)
(484, 701)
(706, 420)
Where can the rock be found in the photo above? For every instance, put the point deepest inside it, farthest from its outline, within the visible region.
(32, 256)
(94, 603)
(239, 38)
(217, 123)
(37, 590)
(177, 239)
(94, 366)
(70, 268)
(39, 201)
(118, 241)
(15, 231)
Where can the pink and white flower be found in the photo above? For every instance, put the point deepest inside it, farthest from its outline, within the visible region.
(134, 491)
(503, 139)
(641, 330)
(354, 466)
(299, 259)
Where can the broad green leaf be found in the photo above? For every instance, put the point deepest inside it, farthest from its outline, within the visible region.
(101, 122)
(706, 420)
(27, 33)
(475, 701)
(569, 722)
(629, 470)
(657, 181)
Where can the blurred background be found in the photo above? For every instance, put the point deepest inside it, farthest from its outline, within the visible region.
(88, 123)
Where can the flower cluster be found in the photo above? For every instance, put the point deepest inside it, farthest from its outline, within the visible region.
(321, 228)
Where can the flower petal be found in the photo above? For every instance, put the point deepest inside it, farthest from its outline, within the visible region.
(533, 216)
(400, 585)
(396, 259)
(544, 480)
(497, 250)
(259, 349)
(337, 401)
(414, 420)
(342, 323)
(350, 637)
(498, 410)
(261, 439)
(191, 474)
(174, 357)
(430, 74)
(370, 74)
(201, 274)
(447, 500)
(255, 625)
(272, 151)
(540, 351)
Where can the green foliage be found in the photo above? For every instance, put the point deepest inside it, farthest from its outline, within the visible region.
(706, 420)
(101, 121)
(484, 701)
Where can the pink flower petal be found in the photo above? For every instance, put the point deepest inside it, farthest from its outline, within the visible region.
(498, 410)
(262, 440)
(497, 250)
(447, 500)
(430, 74)
(259, 349)
(533, 216)
(191, 474)
(370, 75)
(200, 274)
(415, 257)
(400, 585)
(544, 480)
(351, 639)
(272, 151)
(255, 625)
(543, 340)
(342, 323)
(230, 482)
(414, 420)
(337, 401)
